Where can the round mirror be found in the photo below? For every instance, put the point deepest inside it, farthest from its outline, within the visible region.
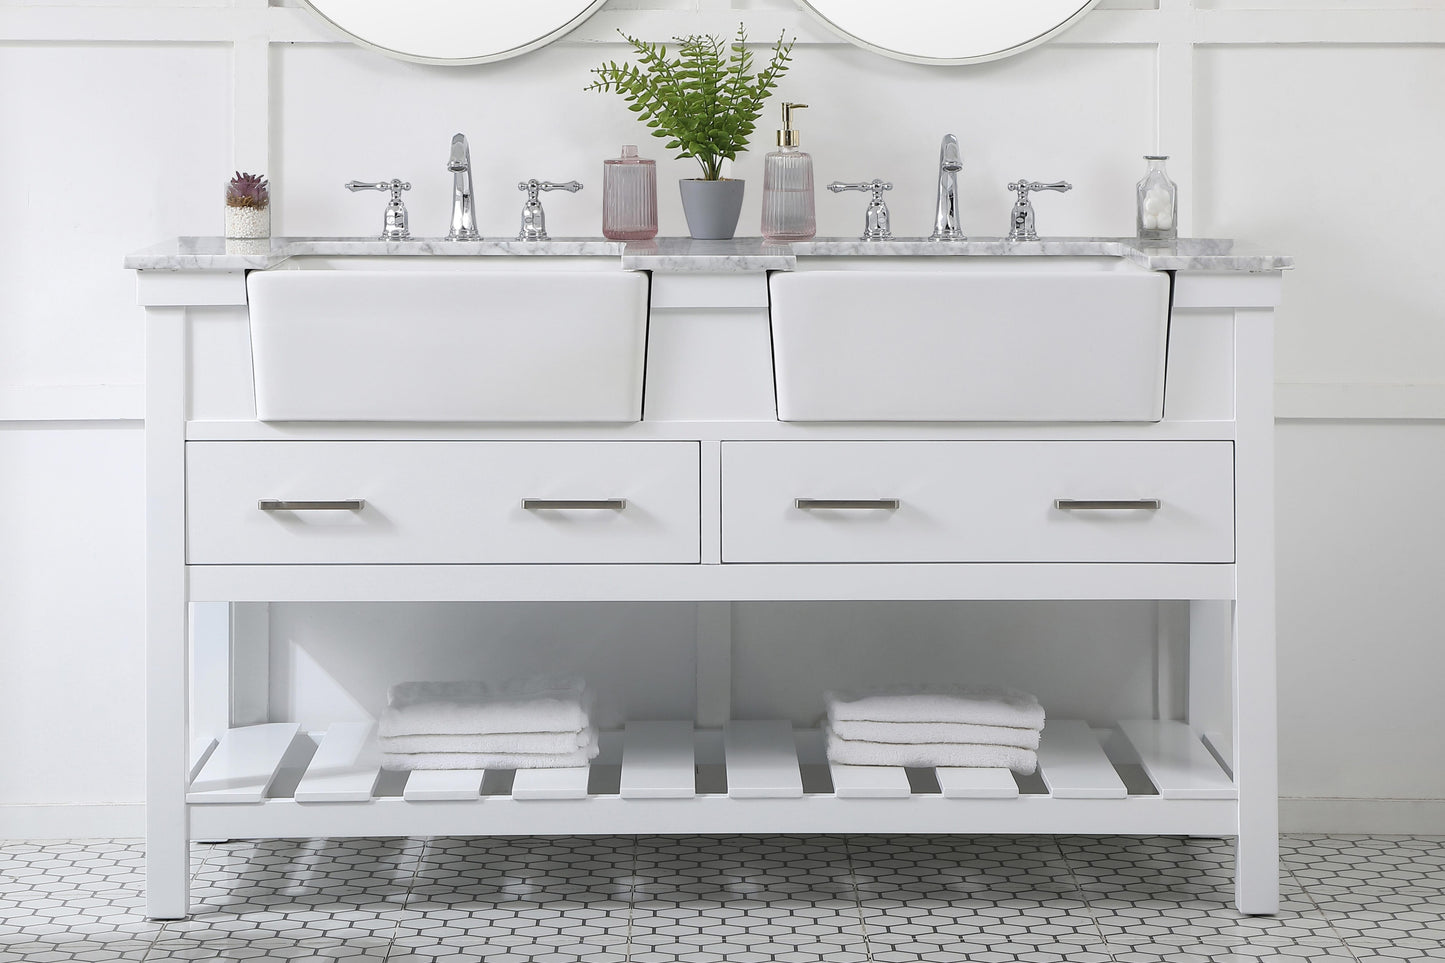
(947, 31)
(454, 31)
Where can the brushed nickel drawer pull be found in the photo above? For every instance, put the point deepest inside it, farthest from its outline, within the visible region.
(281, 505)
(1108, 504)
(891, 504)
(591, 504)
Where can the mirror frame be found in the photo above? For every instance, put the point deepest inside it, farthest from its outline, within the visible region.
(552, 35)
(1025, 44)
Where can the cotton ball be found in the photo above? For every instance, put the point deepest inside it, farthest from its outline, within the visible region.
(1150, 222)
(1166, 221)
(1156, 201)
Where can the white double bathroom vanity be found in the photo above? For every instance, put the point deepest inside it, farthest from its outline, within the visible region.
(712, 424)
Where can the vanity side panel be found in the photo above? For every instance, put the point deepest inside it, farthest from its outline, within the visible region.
(1199, 378)
(219, 362)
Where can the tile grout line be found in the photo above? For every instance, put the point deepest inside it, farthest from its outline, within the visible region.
(426, 843)
(857, 897)
(1324, 914)
(1083, 896)
(631, 899)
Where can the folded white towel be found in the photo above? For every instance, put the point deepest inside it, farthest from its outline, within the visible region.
(955, 732)
(983, 705)
(491, 760)
(505, 742)
(856, 752)
(472, 707)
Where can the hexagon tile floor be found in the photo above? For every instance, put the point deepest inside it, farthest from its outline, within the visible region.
(744, 899)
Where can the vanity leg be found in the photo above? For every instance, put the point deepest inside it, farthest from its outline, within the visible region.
(167, 673)
(1255, 732)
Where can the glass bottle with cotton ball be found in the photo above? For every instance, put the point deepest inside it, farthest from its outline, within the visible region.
(1157, 202)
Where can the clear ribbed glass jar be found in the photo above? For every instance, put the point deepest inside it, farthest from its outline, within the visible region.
(629, 197)
(1157, 203)
(788, 213)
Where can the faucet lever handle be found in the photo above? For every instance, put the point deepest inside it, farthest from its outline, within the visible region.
(1021, 218)
(395, 224)
(875, 185)
(876, 226)
(1023, 186)
(533, 186)
(394, 185)
(534, 219)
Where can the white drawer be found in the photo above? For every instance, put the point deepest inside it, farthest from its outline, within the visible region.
(441, 502)
(978, 501)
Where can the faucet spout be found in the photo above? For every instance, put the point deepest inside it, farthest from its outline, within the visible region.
(464, 216)
(946, 225)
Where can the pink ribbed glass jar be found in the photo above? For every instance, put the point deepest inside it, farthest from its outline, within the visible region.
(629, 197)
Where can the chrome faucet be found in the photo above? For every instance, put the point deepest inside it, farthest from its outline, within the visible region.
(945, 217)
(464, 215)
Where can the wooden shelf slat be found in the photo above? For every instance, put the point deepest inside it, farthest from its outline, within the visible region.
(346, 766)
(960, 783)
(565, 783)
(1175, 760)
(1073, 765)
(243, 764)
(658, 761)
(439, 785)
(869, 782)
(762, 760)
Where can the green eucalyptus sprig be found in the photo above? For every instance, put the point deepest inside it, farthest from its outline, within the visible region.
(705, 99)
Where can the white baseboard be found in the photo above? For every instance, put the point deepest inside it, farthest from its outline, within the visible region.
(1348, 817)
(1389, 817)
(82, 821)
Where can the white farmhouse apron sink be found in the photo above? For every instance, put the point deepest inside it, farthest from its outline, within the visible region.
(974, 339)
(491, 339)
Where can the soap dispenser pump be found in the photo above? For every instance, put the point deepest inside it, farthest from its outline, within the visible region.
(788, 213)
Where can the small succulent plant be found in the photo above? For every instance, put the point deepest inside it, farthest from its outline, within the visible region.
(248, 190)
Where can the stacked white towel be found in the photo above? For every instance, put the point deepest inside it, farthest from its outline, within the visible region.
(982, 726)
(524, 724)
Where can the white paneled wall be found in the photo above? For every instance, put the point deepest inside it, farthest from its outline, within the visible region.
(869, 117)
(1334, 153)
(1307, 126)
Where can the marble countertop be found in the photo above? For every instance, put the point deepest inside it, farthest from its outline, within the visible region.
(681, 254)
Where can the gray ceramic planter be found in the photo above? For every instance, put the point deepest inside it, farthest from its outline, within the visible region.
(711, 207)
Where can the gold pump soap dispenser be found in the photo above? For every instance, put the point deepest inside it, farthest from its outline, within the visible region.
(788, 213)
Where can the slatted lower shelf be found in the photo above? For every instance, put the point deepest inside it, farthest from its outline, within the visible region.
(753, 777)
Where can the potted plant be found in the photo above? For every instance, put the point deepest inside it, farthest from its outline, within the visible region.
(248, 206)
(704, 100)
(248, 214)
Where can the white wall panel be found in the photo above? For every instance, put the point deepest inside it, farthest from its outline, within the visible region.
(1333, 154)
(346, 113)
(72, 644)
(1361, 640)
(108, 148)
